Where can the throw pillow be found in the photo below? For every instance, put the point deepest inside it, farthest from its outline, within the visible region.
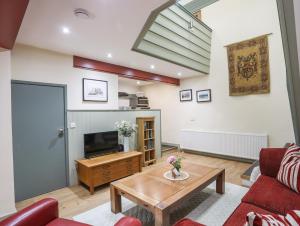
(289, 171)
(255, 219)
(292, 219)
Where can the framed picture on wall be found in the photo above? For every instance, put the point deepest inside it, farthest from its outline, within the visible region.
(203, 95)
(186, 95)
(95, 90)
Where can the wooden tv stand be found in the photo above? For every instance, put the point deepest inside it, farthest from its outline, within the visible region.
(104, 169)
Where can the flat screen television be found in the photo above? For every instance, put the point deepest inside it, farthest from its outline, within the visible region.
(101, 143)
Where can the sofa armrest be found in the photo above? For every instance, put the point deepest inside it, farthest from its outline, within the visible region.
(128, 221)
(38, 214)
(269, 160)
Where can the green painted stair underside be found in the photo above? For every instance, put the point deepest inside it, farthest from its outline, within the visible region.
(175, 35)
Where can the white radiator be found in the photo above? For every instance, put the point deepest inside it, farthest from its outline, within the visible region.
(231, 144)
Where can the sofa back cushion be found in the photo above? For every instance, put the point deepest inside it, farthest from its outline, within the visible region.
(269, 161)
(289, 172)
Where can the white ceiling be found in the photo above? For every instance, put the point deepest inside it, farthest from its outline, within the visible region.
(113, 29)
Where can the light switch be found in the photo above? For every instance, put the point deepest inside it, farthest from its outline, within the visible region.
(72, 125)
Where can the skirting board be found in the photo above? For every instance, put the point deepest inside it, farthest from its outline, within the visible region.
(170, 144)
(219, 156)
(11, 212)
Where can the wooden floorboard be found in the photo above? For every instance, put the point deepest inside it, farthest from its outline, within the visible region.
(77, 199)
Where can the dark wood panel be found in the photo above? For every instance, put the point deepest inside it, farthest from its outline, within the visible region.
(80, 62)
(11, 16)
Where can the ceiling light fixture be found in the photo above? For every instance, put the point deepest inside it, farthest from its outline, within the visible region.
(138, 82)
(109, 55)
(82, 13)
(66, 30)
(152, 66)
(179, 74)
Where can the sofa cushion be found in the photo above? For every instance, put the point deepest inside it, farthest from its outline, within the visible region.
(187, 222)
(238, 217)
(271, 195)
(65, 222)
(269, 161)
(289, 172)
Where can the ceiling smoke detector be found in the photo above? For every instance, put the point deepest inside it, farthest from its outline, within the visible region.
(82, 13)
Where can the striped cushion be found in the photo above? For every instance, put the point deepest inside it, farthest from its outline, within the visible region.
(289, 172)
(255, 219)
(292, 219)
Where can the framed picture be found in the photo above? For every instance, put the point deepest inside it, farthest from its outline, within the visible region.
(186, 95)
(95, 90)
(203, 95)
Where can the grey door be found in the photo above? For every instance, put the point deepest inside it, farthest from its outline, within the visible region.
(39, 150)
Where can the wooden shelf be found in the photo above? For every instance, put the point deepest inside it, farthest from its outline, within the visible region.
(146, 139)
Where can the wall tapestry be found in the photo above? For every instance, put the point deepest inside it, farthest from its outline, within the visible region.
(248, 64)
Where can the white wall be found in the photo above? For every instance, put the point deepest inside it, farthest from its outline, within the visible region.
(128, 86)
(7, 197)
(38, 65)
(232, 21)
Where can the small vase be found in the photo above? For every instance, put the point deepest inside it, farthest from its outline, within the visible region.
(126, 144)
(175, 172)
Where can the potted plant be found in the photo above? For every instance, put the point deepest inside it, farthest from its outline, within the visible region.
(176, 163)
(126, 129)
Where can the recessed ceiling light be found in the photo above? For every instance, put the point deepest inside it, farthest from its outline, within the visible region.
(138, 82)
(152, 66)
(66, 30)
(179, 74)
(109, 55)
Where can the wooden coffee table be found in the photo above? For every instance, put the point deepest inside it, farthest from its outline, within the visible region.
(161, 196)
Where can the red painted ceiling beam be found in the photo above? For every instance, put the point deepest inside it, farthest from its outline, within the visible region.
(126, 72)
(11, 16)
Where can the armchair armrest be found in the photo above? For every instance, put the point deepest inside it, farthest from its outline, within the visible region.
(128, 221)
(38, 214)
(270, 159)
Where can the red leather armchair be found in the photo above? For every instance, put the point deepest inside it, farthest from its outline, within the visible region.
(128, 221)
(41, 213)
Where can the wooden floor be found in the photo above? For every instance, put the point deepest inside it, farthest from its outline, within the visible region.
(77, 199)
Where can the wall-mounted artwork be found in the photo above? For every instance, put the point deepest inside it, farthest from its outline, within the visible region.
(248, 64)
(203, 95)
(186, 95)
(95, 90)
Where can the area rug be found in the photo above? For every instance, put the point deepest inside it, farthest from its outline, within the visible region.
(206, 207)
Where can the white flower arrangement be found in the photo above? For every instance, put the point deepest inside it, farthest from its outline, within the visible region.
(126, 128)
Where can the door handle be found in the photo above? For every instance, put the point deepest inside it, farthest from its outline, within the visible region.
(61, 132)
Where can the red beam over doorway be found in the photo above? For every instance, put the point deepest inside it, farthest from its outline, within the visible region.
(11, 16)
(126, 72)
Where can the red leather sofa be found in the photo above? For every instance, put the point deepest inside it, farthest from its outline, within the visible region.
(266, 195)
(42, 213)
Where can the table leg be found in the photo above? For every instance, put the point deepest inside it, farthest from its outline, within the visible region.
(220, 183)
(115, 199)
(162, 218)
(92, 189)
